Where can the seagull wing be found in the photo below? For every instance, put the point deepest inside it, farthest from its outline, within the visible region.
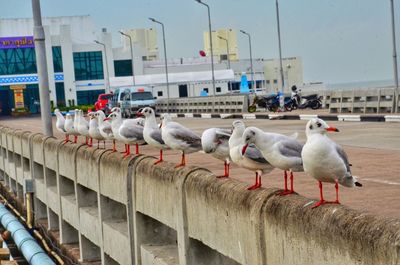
(254, 154)
(156, 135)
(290, 148)
(342, 154)
(186, 135)
(131, 132)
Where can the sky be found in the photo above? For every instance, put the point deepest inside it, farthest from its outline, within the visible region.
(338, 40)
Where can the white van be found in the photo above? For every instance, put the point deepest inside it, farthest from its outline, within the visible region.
(132, 98)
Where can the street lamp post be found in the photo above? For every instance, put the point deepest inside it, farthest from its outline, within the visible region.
(251, 60)
(40, 49)
(211, 47)
(229, 60)
(280, 47)
(165, 58)
(131, 46)
(105, 55)
(396, 76)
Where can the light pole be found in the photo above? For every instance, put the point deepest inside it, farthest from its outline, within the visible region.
(40, 49)
(396, 76)
(251, 60)
(280, 47)
(105, 55)
(227, 56)
(211, 47)
(165, 58)
(130, 43)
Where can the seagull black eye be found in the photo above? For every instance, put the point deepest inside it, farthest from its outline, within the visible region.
(253, 133)
(319, 124)
(247, 138)
(311, 127)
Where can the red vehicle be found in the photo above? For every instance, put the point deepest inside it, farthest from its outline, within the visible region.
(102, 102)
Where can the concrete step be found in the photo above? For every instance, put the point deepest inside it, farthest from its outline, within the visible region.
(159, 255)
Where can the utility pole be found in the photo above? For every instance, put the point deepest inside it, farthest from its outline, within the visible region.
(131, 46)
(396, 75)
(40, 49)
(280, 46)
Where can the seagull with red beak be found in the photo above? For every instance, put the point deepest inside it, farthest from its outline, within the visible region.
(105, 127)
(281, 151)
(326, 161)
(247, 155)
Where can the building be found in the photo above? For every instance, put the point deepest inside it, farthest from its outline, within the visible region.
(80, 69)
(292, 73)
(220, 38)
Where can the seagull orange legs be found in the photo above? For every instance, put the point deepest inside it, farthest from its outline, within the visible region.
(226, 171)
(286, 191)
(321, 200)
(183, 161)
(257, 184)
(161, 158)
(114, 148)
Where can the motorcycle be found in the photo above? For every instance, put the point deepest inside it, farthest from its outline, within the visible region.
(312, 101)
(272, 103)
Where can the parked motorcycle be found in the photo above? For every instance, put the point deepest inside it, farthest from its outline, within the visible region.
(312, 101)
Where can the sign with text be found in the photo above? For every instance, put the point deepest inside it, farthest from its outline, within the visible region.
(17, 42)
(18, 95)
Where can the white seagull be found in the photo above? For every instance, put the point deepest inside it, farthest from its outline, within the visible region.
(60, 124)
(178, 137)
(215, 141)
(283, 152)
(152, 132)
(94, 131)
(324, 160)
(115, 119)
(105, 128)
(83, 126)
(251, 159)
(69, 127)
(131, 132)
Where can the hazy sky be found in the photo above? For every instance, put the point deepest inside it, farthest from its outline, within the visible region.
(338, 40)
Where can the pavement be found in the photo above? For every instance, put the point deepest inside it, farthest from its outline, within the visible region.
(373, 149)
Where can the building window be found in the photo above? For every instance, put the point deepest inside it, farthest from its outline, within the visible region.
(205, 89)
(17, 61)
(275, 81)
(159, 94)
(60, 94)
(88, 97)
(258, 84)
(218, 89)
(268, 82)
(123, 68)
(235, 86)
(223, 57)
(57, 59)
(88, 66)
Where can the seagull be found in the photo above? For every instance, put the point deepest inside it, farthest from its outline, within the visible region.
(83, 126)
(115, 119)
(178, 137)
(325, 160)
(105, 128)
(152, 132)
(94, 131)
(215, 141)
(131, 132)
(251, 159)
(69, 127)
(283, 152)
(60, 124)
(76, 121)
(135, 136)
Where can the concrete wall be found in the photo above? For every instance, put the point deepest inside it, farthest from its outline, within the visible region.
(128, 211)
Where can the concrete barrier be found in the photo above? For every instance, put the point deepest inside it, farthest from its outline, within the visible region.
(128, 211)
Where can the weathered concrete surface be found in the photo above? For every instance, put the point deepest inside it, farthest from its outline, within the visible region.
(160, 255)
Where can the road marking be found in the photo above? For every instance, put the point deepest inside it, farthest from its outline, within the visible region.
(383, 181)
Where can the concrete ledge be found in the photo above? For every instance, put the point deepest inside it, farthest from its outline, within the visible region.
(160, 255)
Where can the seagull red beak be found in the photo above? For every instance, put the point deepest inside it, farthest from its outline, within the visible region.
(244, 149)
(106, 119)
(332, 129)
(139, 114)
